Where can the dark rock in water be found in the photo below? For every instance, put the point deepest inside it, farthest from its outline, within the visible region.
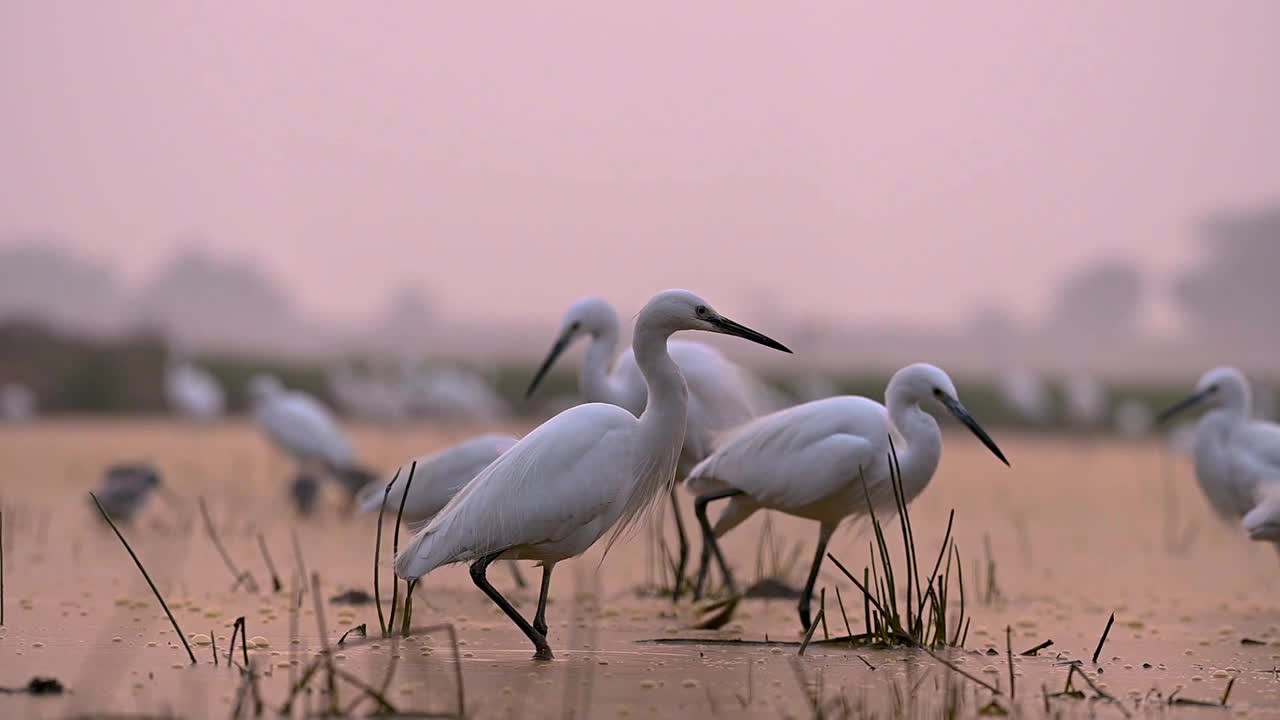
(125, 489)
(45, 686)
(1251, 641)
(305, 490)
(352, 597)
(38, 686)
(772, 589)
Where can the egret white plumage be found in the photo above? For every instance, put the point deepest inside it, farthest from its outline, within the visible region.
(721, 394)
(193, 392)
(1086, 400)
(437, 477)
(811, 460)
(1025, 393)
(589, 469)
(17, 402)
(1237, 458)
(301, 426)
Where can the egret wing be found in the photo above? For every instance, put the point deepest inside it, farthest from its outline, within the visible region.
(795, 457)
(561, 476)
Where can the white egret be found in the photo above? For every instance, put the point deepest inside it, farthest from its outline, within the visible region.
(193, 392)
(437, 477)
(590, 468)
(1237, 458)
(1025, 392)
(810, 461)
(721, 395)
(1086, 400)
(17, 402)
(452, 392)
(301, 426)
(1133, 418)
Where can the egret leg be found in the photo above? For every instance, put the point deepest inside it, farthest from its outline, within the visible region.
(824, 537)
(709, 540)
(540, 618)
(517, 576)
(683, 538)
(542, 651)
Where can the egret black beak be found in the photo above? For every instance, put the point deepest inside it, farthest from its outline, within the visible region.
(1185, 404)
(729, 327)
(954, 407)
(561, 344)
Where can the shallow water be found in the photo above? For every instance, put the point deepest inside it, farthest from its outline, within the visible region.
(1077, 530)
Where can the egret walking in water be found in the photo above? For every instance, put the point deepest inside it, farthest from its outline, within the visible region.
(721, 395)
(300, 426)
(437, 477)
(810, 461)
(590, 468)
(1237, 458)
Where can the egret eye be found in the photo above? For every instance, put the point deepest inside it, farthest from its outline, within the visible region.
(937, 392)
(701, 310)
(575, 326)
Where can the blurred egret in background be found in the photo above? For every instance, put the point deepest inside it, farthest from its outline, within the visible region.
(1237, 458)
(192, 391)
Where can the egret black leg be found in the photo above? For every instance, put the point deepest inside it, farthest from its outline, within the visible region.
(540, 618)
(824, 537)
(682, 560)
(478, 568)
(709, 540)
(703, 559)
(516, 575)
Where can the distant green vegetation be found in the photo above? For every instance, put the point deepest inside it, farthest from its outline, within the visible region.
(76, 374)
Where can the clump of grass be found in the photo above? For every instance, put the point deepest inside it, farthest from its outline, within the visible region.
(922, 616)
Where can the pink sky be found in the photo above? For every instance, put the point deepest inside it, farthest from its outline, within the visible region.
(856, 160)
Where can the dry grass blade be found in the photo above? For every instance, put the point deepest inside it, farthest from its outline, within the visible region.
(276, 585)
(1, 567)
(330, 682)
(181, 636)
(377, 555)
(1103, 640)
(956, 669)
(1008, 649)
(395, 547)
(808, 634)
(246, 577)
(213, 645)
(1035, 650)
(1075, 669)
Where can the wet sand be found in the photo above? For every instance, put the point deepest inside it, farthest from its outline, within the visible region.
(1077, 530)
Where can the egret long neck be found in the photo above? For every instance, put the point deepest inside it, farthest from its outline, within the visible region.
(663, 421)
(656, 449)
(919, 460)
(594, 379)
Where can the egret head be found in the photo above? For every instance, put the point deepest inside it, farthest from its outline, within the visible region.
(674, 310)
(263, 387)
(1221, 387)
(668, 311)
(591, 316)
(916, 383)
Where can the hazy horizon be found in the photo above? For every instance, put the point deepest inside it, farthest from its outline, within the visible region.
(873, 164)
